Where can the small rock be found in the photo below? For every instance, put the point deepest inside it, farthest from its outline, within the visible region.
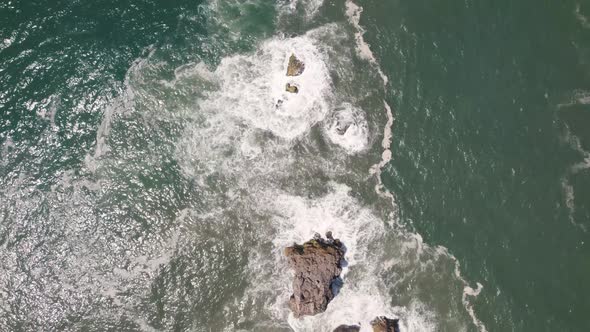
(341, 128)
(291, 88)
(279, 103)
(347, 328)
(329, 236)
(295, 66)
(317, 267)
(384, 324)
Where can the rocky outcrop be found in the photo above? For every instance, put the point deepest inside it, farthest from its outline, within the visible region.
(317, 265)
(347, 328)
(384, 324)
(379, 324)
(291, 88)
(295, 66)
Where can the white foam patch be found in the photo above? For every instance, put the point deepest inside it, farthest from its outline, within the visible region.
(584, 21)
(347, 127)
(351, 307)
(359, 306)
(229, 131)
(310, 7)
(567, 188)
(300, 219)
(297, 220)
(6, 42)
(253, 87)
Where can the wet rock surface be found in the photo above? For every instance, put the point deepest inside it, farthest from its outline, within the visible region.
(317, 265)
(295, 66)
(384, 324)
(291, 88)
(347, 328)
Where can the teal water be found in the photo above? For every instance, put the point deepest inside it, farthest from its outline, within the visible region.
(490, 147)
(150, 177)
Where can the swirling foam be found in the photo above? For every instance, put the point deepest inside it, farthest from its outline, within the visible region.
(253, 87)
(247, 124)
(347, 127)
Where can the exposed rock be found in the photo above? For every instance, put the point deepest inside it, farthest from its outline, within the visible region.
(279, 103)
(291, 88)
(295, 66)
(384, 324)
(348, 328)
(317, 267)
(342, 127)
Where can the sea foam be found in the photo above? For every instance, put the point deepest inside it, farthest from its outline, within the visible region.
(347, 127)
(253, 87)
(362, 296)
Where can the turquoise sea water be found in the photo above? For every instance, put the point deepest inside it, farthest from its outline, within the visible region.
(152, 169)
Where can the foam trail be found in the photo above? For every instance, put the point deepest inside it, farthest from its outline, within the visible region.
(354, 12)
(385, 156)
(568, 189)
(468, 291)
(123, 103)
(577, 146)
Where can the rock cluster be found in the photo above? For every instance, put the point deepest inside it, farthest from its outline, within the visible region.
(295, 66)
(384, 324)
(317, 265)
(347, 328)
(379, 324)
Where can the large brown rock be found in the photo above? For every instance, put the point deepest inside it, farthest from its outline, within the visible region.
(347, 328)
(295, 66)
(317, 267)
(384, 324)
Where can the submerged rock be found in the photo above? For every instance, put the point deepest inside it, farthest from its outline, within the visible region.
(342, 127)
(317, 268)
(347, 328)
(291, 88)
(295, 66)
(384, 324)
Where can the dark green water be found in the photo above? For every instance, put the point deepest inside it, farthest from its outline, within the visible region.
(148, 184)
(488, 95)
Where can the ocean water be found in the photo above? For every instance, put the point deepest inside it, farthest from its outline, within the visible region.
(152, 167)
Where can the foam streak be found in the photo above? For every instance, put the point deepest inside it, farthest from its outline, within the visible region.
(354, 12)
